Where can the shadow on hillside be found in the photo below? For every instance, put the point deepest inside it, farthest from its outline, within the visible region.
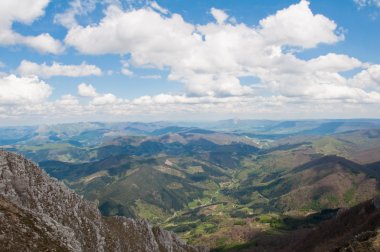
(329, 230)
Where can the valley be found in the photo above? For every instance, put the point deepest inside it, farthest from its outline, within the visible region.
(227, 185)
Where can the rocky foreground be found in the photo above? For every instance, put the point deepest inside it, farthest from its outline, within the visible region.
(39, 213)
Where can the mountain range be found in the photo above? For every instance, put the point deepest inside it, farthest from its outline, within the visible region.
(225, 185)
(38, 213)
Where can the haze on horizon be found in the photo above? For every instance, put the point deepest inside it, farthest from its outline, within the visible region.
(169, 60)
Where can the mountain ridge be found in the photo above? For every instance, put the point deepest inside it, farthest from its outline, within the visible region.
(49, 213)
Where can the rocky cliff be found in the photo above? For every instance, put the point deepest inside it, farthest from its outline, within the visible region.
(39, 213)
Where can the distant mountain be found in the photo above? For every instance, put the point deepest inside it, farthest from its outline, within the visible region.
(38, 213)
(286, 128)
(12, 135)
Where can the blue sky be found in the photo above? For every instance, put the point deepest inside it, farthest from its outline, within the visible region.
(80, 60)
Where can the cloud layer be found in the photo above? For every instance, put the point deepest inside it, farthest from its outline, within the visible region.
(210, 61)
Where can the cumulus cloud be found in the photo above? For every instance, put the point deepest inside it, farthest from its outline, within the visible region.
(28, 68)
(87, 90)
(68, 100)
(167, 106)
(219, 15)
(298, 26)
(25, 11)
(334, 63)
(210, 59)
(43, 43)
(136, 29)
(22, 90)
(67, 106)
(367, 78)
(105, 99)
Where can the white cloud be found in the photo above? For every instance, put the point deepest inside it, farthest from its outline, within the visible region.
(67, 100)
(334, 63)
(125, 68)
(25, 11)
(43, 43)
(298, 26)
(219, 15)
(105, 99)
(22, 90)
(27, 68)
(153, 41)
(175, 107)
(67, 106)
(136, 28)
(367, 78)
(77, 8)
(210, 59)
(87, 90)
(326, 91)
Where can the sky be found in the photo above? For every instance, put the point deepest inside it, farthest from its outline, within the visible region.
(140, 60)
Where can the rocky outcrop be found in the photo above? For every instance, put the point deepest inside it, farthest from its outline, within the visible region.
(39, 213)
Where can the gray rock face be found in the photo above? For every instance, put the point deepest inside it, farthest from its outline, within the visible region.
(39, 213)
